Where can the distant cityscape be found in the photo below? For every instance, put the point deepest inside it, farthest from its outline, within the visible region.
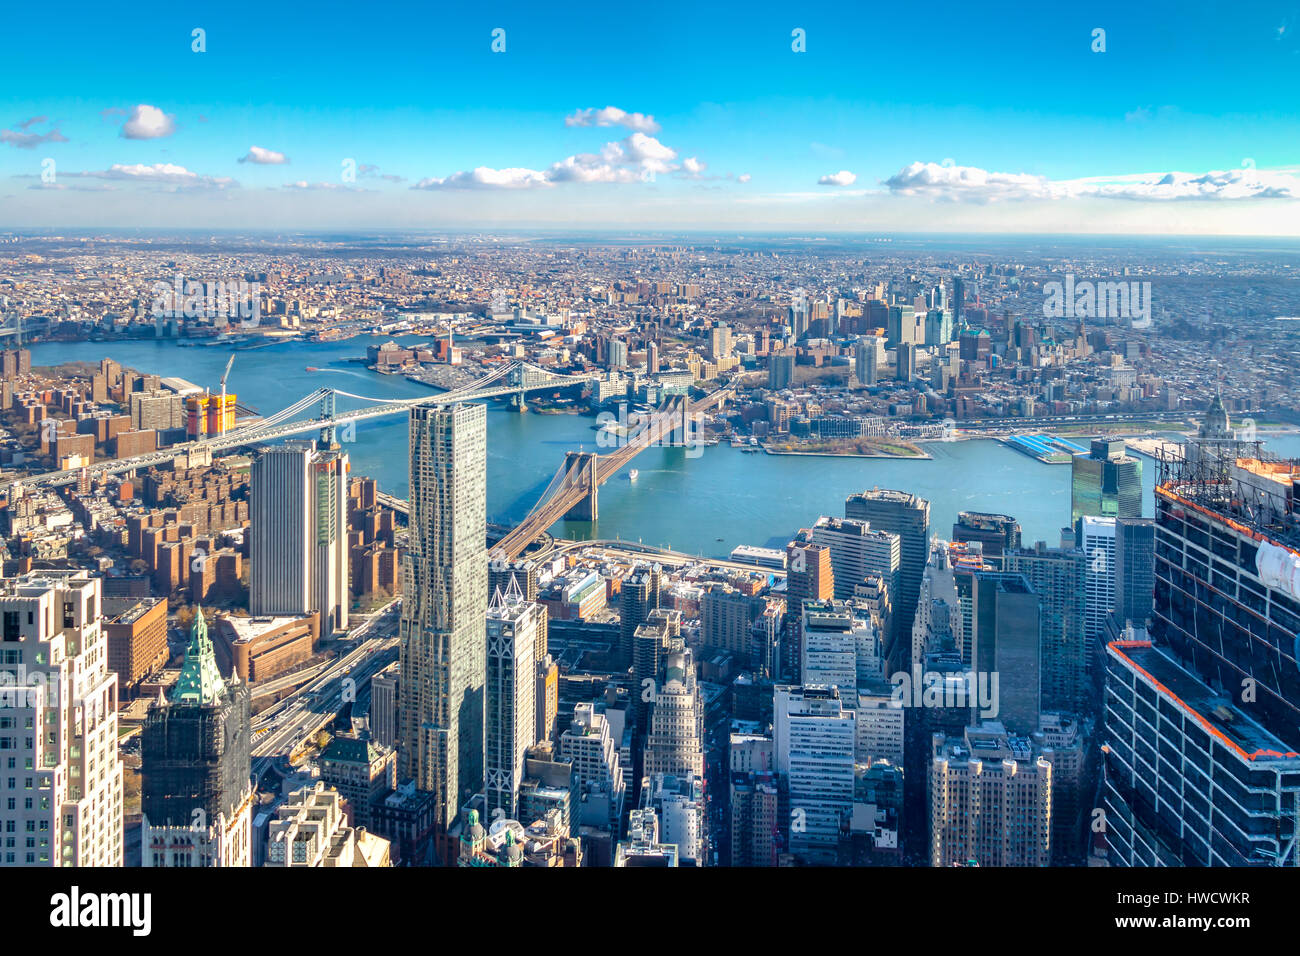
(226, 643)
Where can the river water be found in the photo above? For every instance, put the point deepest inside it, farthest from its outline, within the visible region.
(701, 505)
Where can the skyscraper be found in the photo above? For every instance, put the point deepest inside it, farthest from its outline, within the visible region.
(1006, 642)
(674, 743)
(994, 532)
(1178, 755)
(866, 359)
(808, 578)
(513, 627)
(1097, 539)
(298, 517)
(61, 799)
(814, 736)
(638, 597)
(838, 648)
(907, 516)
(1106, 482)
(1059, 576)
(196, 788)
(856, 550)
(444, 607)
(1135, 558)
(1207, 710)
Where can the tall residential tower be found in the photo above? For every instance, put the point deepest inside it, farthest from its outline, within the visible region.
(444, 607)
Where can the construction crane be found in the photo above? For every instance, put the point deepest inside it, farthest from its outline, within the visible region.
(221, 414)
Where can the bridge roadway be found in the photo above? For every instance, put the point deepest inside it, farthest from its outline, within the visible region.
(274, 427)
(577, 478)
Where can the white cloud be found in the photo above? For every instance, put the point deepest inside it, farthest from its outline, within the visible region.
(484, 177)
(613, 116)
(148, 122)
(636, 158)
(640, 148)
(263, 157)
(589, 168)
(743, 178)
(693, 168)
(972, 184)
(166, 174)
(842, 178)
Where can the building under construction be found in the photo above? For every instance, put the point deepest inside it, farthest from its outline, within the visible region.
(197, 791)
(1202, 750)
(209, 414)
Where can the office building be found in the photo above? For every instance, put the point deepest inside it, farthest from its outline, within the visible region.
(593, 752)
(362, 771)
(311, 829)
(678, 804)
(857, 550)
(196, 771)
(383, 706)
(548, 697)
(905, 362)
(643, 846)
(1097, 539)
(727, 620)
(995, 533)
(298, 552)
(674, 741)
(939, 626)
(881, 724)
(1135, 569)
(1006, 643)
(510, 727)
(444, 607)
(1106, 482)
(1060, 577)
(904, 327)
(550, 785)
(639, 596)
(1191, 778)
(61, 792)
(990, 800)
(1201, 739)
(907, 516)
(814, 735)
(808, 578)
(755, 818)
(839, 648)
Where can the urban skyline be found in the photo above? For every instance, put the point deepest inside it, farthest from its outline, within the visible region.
(810, 438)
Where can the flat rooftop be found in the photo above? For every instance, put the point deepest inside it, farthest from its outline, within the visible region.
(249, 628)
(1215, 712)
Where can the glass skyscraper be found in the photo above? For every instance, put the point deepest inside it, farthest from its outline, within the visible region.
(1106, 482)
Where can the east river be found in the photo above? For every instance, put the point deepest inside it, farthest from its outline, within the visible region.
(701, 505)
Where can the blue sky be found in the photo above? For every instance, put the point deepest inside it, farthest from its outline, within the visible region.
(947, 117)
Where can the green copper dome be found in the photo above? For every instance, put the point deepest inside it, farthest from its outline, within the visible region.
(200, 681)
